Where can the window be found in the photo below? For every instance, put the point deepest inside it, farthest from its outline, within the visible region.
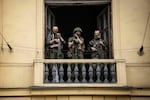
(89, 16)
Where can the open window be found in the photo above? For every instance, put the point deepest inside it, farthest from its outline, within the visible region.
(49, 22)
(104, 24)
(88, 15)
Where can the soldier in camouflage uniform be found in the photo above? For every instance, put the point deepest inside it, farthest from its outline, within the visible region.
(76, 51)
(97, 46)
(76, 45)
(55, 42)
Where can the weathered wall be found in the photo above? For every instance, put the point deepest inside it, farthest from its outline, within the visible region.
(19, 29)
(133, 19)
(0, 21)
(21, 24)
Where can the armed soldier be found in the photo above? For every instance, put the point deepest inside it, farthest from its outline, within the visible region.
(76, 44)
(76, 51)
(55, 42)
(97, 46)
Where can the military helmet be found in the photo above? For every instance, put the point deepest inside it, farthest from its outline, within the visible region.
(77, 29)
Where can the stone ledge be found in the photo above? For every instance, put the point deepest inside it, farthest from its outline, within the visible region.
(73, 91)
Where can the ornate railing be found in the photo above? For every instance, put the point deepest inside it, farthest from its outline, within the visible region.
(79, 71)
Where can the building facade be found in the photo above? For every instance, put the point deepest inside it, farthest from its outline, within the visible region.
(23, 25)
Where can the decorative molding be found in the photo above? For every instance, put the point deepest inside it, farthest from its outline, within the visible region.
(81, 91)
(76, 2)
(15, 92)
(116, 28)
(5, 64)
(138, 64)
(75, 61)
(73, 91)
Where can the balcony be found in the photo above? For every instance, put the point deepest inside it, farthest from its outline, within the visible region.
(79, 72)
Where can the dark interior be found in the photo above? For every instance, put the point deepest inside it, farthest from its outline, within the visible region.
(69, 17)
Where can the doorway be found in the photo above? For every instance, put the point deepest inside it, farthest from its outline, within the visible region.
(88, 17)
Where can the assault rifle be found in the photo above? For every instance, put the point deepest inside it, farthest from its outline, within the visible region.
(75, 46)
(99, 47)
(59, 52)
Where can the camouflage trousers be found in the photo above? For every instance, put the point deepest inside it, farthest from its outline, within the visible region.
(96, 55)
(54, 54)
(78, 55)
